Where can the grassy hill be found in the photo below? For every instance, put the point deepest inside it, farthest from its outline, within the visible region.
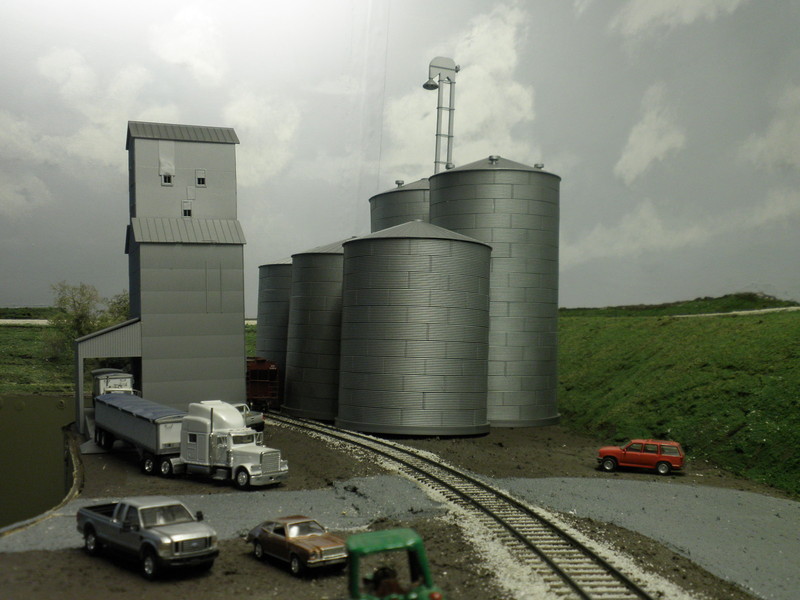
(727, 387)
(706, 305)
(25, 312)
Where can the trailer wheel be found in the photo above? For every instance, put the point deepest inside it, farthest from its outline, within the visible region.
(242, 479)
(148, 464)
(106, 440)
(165, 467)
(90, 542)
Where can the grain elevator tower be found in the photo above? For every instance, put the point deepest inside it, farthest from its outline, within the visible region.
(185, 250)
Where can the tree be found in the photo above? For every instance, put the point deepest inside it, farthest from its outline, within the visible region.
(79, 311)
(117, 310)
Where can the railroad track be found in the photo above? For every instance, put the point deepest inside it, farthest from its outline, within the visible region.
(568, 567)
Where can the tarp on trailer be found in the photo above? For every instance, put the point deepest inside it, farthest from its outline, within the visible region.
(139, 407)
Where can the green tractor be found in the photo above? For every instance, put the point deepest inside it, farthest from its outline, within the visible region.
(383, 583)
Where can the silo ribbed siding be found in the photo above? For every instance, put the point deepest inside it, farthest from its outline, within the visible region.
(516, 211)
(399, 205)
(312, 349)
(274, 293)
(415, 320)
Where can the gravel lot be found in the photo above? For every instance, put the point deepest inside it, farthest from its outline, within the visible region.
(687, 546)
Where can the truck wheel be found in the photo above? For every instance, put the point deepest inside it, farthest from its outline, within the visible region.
(149, 564)
(148, 464)
(295, 566)
(90, 542)
(608, 464)
(258, 550)
(663, 468)
(242, 479)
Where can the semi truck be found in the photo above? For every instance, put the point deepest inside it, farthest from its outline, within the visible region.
(210, 439)
(111, 381)
(160, 532)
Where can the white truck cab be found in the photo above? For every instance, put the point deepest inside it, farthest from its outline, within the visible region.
(111, 381)
(215, 442)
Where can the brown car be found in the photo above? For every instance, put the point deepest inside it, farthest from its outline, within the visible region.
(300, 541)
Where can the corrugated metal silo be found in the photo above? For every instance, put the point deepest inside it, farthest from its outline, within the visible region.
(399, 205)
(312, 346)
(415, 324)
(515, 208)
(274, 292)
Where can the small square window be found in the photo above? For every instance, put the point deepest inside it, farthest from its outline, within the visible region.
(166, 180)
(200, 177)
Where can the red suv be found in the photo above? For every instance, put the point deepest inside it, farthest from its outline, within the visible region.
(660, 455)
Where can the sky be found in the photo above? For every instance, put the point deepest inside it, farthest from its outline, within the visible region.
(674, 125)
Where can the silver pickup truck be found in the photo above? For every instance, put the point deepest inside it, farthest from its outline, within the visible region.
(160, 532)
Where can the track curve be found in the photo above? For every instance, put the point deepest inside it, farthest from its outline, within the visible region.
(569, 568)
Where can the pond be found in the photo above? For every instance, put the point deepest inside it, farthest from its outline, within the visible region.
(33, 455)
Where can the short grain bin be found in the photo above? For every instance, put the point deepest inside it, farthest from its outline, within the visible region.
(274, 292)
(415, 323)
(515, 208)
(406, 202)
(312, 347)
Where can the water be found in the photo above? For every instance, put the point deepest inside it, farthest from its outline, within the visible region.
(36, 474)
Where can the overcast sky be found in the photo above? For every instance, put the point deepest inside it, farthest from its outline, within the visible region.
(674, 124)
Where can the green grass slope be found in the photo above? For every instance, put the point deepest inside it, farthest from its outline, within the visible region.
(726, 387)
(23, 368)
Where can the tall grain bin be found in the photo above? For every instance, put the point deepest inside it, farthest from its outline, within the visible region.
(415, 324)
(515, 208)
(399, 205)
(312, 346)
(274, 292)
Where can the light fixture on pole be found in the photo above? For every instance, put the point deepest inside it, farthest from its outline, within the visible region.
(443, 70)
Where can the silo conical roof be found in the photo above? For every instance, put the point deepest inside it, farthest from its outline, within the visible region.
(418, 229)
(282, 261)
(420, 184)
(497, 163)
(332, 248)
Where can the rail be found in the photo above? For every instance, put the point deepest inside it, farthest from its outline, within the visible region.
(570, 568)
